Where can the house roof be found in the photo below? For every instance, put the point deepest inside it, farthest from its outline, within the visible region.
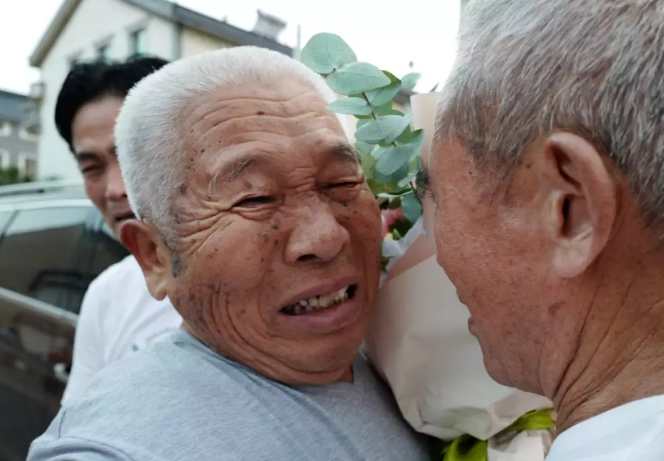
(12, 106)
(166, 10)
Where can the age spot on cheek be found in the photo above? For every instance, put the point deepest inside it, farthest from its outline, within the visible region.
(265, 238)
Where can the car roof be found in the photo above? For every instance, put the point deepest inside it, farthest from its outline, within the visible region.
(43, 194)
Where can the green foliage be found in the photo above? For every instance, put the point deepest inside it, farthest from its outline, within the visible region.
(327, 52)
(351, 106)
(356, 77)
(410, 80)
(387, 145)
(12, 175)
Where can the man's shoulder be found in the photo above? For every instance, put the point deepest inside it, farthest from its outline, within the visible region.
(168, 375)
(162, 400)
(119, 274)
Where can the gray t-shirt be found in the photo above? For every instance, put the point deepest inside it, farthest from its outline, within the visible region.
(181, 401)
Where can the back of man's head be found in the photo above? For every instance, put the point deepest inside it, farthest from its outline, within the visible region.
(91, 81)
(528, 67)
(548, 175)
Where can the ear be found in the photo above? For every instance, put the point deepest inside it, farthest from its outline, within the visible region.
(580, 204)
(145, 243)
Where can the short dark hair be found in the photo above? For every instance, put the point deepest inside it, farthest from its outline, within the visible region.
(90, 81)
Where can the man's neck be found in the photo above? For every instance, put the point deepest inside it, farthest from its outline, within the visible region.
(637, 380)
(620, 357)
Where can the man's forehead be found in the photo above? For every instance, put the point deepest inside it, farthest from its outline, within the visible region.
(285, 101)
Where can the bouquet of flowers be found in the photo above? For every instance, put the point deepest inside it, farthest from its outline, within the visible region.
(419, 340)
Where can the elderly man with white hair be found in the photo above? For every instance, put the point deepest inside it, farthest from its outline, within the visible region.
(255, 220)
(548, 178)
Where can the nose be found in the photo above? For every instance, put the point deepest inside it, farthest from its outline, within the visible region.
(317, 236)
(115, 187)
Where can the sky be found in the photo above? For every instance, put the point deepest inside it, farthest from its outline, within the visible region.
(391, 34)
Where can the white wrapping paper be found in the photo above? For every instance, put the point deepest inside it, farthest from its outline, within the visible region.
(419, 341)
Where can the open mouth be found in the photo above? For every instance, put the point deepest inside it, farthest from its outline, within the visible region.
(124, 217)
(322, 302)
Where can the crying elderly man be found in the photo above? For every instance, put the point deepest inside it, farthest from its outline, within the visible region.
(255, 220)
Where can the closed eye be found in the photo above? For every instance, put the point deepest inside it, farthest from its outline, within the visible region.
(90, 169)
(342, 184)
(255, 202)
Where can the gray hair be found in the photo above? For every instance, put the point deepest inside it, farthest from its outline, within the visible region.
(149, 128)
(593, 67)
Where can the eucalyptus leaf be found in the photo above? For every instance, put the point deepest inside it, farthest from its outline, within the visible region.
(356, 77)
(394, 194)
(385, 109)
(407, 180)
(361, 123)
(388, 180)
(385, 94)
(406, 136)
(326, 52)
(392, 159)
(416, 143)
(399, 155)
(376, 187)
(368, 167)
(351, 106)
(363, 149)
(383, 129)
(412, 208)
(410, 80)
(391, 112)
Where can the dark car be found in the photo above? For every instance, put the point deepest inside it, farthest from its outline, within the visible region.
(53, 243)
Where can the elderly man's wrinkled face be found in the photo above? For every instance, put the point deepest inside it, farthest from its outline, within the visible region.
(518, 261)
(278, 257)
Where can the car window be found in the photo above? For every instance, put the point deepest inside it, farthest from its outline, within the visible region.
(5, 216)
(52, 254)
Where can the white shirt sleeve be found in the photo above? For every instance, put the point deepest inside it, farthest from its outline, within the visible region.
(89, 354)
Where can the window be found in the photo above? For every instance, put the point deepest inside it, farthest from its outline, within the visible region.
(5, 128)
(25, 135)
(52, 254)
(138, 41)
(5, 159)
(27, 163)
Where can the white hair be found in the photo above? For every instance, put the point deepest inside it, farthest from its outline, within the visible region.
(149, 128)
(593, 67)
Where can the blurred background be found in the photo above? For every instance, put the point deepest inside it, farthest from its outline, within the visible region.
(53, 242)
(40, 39)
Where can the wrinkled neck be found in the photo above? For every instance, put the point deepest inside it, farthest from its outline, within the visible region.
(620, 357)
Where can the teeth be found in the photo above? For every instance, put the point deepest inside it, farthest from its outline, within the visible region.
(318, 302)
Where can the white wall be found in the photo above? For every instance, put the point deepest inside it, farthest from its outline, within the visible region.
(195, 42)
(94, 22)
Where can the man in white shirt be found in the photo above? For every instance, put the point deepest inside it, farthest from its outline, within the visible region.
(548, 178)
(118, 315)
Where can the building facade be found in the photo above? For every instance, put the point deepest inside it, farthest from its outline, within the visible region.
(117, 29)
(18, 147)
